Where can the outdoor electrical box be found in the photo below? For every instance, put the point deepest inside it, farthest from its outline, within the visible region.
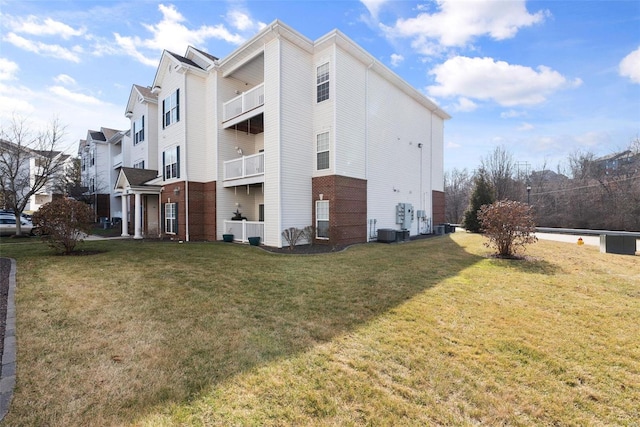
(404, 215)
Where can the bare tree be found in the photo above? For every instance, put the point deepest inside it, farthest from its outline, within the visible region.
(29, 160)
(500, 167)
(457, 190)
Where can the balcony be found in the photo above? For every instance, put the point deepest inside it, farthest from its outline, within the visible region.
(242, 230)
(245, 111)
(244, 170)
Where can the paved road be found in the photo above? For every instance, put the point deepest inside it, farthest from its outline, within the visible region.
(570, 238)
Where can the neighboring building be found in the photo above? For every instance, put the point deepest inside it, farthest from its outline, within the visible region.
(100, 157)
(618, 164)
(26, 167)
(284, 132)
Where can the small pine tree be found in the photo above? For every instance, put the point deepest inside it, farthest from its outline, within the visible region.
(482, 195)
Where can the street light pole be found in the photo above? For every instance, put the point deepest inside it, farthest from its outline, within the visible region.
(528, 194)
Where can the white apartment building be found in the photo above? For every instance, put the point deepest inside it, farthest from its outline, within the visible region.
(283, 132)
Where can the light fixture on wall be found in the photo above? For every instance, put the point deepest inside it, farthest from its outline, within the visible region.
(128, 114)
(419, 144)
(156, 89)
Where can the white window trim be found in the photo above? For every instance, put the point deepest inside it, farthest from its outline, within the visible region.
(327, 81)
(328, 150)
(322, 202)
(172, 218)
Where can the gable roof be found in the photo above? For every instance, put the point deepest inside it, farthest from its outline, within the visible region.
(184, 60)
(138, 177)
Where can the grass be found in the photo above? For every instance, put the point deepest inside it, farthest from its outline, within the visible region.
(430, 332)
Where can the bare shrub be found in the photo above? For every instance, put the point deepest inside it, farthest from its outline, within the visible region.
(63, 223)
(309, 234)
(508, 225)
(292, 235)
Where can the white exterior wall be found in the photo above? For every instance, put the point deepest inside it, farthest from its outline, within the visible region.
(324, 119)
(146, 150)
(398, 170)
(193, 114)
(350, 114)
(298, 88)
(174, 134)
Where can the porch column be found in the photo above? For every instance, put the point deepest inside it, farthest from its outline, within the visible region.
(125, 215)
(138, 217)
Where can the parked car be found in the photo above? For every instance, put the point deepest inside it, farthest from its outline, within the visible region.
(8, 225)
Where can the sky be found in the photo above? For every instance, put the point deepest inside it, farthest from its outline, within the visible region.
(542, 79)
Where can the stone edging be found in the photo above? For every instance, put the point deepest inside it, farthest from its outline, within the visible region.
(8, 373)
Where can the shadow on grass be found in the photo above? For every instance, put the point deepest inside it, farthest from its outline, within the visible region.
(530, 265)
(193, 317)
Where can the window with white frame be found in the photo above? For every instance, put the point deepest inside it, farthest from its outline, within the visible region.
(322, 219)
(322, 151)
(322, 82)
(171, 109)
(171, 218)
(139, 164)
(171, 163)
(138, 131)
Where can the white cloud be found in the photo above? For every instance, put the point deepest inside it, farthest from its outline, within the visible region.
(373, 6)
(464, 105)
(504, 83)
(630, 66)
(44, 49)
(457, 23)
(35, 26)
(451, 144)
(8, 69)
(241, 20)
(64, 79)
(526, 127)
(172, 34)
(75, 97)
(512, 114)
(396, 59)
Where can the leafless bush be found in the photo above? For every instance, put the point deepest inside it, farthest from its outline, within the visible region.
(292, 235)
(508, 225)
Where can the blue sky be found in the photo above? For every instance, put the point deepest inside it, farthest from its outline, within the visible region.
(544, 79)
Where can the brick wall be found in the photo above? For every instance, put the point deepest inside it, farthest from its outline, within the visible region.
(202, 209)
(347, 208)
(437, 199)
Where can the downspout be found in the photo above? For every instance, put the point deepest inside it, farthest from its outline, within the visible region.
(186, 163)
(431, 164)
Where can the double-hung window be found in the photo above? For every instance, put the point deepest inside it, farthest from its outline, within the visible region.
(171, 218)
(322, 151)
(139, 164)
(138, 131)
(322, 82)
(171, 163)
(322, 219)
(171, 109)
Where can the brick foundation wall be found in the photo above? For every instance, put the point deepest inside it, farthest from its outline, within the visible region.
(202, 209)
(437, 200)
(347, 208)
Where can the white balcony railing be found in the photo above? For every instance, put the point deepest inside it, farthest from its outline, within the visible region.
(244, 166)
(242, 230)
(244, 102)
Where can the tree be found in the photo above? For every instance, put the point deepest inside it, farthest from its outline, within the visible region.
(63, 223)
(508, 225)
(482, 195)
(29, 160)
(457, 188)
(499, 168)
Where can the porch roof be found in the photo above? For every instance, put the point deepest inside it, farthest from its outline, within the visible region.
(134, 180)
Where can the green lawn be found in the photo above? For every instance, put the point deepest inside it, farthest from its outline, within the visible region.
(431, 332)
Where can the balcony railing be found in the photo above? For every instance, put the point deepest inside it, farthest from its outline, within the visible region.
(244, 167)
(244, 102)
(242, 230)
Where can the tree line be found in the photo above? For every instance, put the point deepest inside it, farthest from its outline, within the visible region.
(584, 192)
